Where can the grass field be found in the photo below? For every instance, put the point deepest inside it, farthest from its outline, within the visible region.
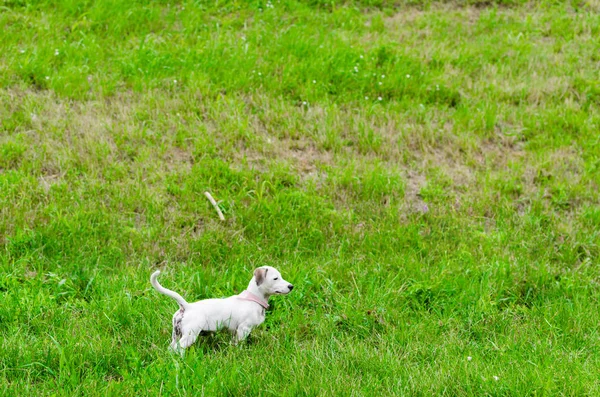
(426, 174)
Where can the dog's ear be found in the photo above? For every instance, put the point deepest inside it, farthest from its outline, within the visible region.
(259, 275)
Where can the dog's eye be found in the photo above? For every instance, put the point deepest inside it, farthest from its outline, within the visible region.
(276, 278)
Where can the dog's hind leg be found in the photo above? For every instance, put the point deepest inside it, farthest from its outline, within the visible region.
(177, 333)
(175, 348)
(179, 346)
(187, 341)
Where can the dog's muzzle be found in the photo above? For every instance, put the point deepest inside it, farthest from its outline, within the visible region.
(285, 291)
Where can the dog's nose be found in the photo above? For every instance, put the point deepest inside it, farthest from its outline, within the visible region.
(291, 287)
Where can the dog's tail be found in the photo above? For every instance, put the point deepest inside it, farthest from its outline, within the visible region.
(167, 292)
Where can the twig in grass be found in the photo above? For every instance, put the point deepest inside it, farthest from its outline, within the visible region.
(214, 203)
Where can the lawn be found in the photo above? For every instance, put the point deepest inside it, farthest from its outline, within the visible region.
(425, 173)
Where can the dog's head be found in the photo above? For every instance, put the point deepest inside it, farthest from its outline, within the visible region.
(269, 281)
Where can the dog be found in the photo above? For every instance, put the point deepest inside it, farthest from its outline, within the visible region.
(239, 313)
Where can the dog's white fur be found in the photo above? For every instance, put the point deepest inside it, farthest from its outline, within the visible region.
(237, 315)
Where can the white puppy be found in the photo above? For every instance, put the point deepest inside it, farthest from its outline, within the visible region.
(238, 313)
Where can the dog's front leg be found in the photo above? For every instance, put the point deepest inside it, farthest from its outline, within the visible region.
(242, 332)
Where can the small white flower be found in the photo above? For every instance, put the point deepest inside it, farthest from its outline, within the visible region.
(380, 83)
(367, 98)
(379, 98)
(259, 73)
(421, 106)
(356, 69)
(174, 81)
(361, 57)
(56, 52)
(304, 103)
(314, 81)
(47, 77)
(383, 76)
(22, 51)
(469, 358)
(254, 71)
(496, 378)
(408, 76)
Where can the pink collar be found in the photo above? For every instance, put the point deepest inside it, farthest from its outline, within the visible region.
(249, 296)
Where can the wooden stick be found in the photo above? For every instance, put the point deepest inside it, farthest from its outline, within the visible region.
(214, 203)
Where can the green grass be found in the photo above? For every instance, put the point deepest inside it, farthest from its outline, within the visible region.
(426, 174)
